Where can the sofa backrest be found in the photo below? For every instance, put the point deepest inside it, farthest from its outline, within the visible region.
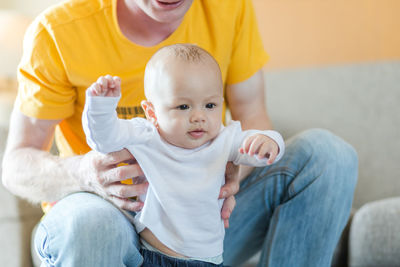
(359, 102)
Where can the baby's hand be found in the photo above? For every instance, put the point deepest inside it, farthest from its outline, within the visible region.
(261, 145)
(106, 86)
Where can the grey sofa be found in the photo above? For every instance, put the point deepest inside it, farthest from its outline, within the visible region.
(358, 102)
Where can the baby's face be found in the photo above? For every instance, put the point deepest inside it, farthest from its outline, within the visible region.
(188, 105)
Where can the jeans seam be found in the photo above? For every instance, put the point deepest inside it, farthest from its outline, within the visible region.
(44, 244)
(272, 231)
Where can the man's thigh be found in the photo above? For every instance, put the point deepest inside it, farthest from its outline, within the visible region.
(316, 177)
(85, 230)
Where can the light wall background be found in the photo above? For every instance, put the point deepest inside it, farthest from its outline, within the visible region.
(299, 33)
(27, 7)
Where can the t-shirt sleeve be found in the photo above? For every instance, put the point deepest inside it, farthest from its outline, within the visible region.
(248, 54)
(44, 91)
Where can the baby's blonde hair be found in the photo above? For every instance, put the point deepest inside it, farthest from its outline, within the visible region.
(185, 52)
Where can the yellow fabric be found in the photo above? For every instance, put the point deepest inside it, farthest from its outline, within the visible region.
(70, 45)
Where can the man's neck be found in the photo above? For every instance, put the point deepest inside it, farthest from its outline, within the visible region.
(141, 29)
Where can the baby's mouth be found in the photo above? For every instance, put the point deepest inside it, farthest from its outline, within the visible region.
(198, 133)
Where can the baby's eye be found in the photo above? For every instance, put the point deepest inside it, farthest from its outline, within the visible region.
(182, 107)
(210, 105)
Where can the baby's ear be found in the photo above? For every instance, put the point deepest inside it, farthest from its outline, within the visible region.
(149, 111)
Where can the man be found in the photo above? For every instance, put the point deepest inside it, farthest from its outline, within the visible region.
(293, 211)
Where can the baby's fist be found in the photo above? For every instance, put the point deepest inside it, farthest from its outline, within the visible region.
(262, 145)
(106, 86)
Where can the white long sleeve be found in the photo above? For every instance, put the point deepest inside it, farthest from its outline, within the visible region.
(105, 132)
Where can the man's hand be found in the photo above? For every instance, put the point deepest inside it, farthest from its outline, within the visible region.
(228, 190)
(100, 173)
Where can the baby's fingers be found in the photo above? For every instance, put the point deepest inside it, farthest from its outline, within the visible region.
(115, 90)
(270, 151)
(117, 81)
(96, 90)
(110, 81)
(103, 82)
(244, 149)
(256, 145)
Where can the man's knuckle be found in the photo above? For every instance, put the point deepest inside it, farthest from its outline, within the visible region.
(120, 173)
(113, 157)
(135, 206)
(136, 170)
(119, 192)
(123, 205)
(102, 179)
(140, 189)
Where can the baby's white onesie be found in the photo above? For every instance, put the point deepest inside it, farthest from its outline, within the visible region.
(181, 207)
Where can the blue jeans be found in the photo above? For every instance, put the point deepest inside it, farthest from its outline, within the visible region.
(293, 211)
(154, 259)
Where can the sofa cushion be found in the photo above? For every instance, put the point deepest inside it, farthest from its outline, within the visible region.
(375, 234)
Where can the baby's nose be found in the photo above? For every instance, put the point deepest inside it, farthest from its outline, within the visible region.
(197, 116)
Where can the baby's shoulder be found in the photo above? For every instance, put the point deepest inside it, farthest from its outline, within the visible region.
(231, 127)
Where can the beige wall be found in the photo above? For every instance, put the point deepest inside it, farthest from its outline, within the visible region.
(300, 33)
(27, 7)
(313, 32)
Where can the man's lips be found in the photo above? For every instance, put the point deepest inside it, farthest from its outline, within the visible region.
(197, 133)
(169, 4)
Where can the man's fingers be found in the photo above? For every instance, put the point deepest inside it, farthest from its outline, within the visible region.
(231, 171)
(116, 157)
(127, 204)
(231, 185)
(227, 208)
(127, 191)
(226, 223)
(230, 188)
(121, 173)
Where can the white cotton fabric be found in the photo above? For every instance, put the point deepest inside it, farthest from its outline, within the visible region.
(181, 206)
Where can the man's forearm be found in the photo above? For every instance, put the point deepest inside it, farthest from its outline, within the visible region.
(247, 105)
(37, 175)
(258, 121)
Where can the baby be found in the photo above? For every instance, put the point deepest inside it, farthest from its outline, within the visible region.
(182, 148)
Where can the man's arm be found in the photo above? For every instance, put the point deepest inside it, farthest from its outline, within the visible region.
(247, 104)
(31, 172)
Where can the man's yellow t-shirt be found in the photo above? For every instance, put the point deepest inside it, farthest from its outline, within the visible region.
(70, 45)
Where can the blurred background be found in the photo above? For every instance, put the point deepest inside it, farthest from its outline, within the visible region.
(334, 64)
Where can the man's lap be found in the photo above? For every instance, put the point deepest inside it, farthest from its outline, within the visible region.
(260, 194)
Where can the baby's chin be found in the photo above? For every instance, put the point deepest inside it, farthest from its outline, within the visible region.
(191, 143)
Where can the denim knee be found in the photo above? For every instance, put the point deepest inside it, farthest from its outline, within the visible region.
(83, 227)
(333, 153)
(322, 151)
(328, 147)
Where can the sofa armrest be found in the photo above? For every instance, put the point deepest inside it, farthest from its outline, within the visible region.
(375, 234)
